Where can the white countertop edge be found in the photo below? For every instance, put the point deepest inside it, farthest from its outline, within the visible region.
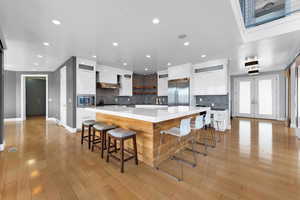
(149, 118)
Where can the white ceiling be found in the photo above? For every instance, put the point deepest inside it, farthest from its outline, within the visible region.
(89, 28)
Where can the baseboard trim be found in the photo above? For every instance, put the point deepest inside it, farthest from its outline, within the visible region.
(71, 130)
(52, 119)
(2, 146)
(12, 119)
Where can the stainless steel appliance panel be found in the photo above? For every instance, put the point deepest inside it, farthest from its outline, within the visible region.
(179, 93)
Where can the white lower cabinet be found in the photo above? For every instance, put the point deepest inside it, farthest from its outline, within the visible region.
(82, 115)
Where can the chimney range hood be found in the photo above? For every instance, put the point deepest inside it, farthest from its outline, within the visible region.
(108, 85)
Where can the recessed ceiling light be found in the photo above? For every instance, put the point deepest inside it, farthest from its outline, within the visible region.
(125, 64)
(46, 44)
(186, 43)
(148, 56)
(203, 56)
(146, 69)
(56, 22)
(36, 64)
(94, 56)
(39, 56)
(169, 64)
(115, 44)
(155, 21)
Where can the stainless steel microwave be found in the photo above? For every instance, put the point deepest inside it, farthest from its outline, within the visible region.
(85, 100)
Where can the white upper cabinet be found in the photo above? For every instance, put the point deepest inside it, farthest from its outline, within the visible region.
(126, 83)
(210, 78)
(180, 71)
(162, 83)
(107, 74)
(110, 75)
(85, 76)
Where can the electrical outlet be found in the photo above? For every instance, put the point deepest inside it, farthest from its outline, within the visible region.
(128, 99)
(200, 99)
(212, 104)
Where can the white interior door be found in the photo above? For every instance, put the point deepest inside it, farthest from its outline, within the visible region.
(256, 97)
(63, 96)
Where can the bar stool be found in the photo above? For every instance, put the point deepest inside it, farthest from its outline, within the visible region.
(179, 133)
(196, 127)
(121, 135)
(102, 128)
(89, 124)
(211, 135)
(218, 119)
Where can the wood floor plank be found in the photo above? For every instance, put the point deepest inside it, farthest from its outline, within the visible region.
(262, 162)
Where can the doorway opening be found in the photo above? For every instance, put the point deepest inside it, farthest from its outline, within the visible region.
(34, 95)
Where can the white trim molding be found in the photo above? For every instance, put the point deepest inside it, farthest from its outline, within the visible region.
(281, 26)
(2, 146)
(71, 130)
(13, 119)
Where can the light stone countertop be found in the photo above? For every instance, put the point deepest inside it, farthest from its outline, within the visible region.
(151, 114)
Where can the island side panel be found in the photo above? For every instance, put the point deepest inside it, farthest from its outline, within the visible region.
(144, 131)
(169, 143)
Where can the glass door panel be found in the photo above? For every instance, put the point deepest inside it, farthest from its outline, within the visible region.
(244, 98)
(265, 97)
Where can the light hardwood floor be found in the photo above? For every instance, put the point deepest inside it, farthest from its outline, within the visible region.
(256, 160)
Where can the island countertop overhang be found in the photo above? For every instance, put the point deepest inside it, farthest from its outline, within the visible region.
(153, 115)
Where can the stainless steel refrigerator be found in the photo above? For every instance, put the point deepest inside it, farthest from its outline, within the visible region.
(179, 92)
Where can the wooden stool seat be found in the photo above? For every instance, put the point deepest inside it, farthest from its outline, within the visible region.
(89, 124)
(121, 135)
(102, 128)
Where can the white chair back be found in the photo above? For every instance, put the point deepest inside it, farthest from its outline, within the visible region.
(199, 122)
(208, 117)
(219, 116)
(185, 126)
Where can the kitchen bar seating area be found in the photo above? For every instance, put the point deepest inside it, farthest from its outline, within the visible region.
(146, 133)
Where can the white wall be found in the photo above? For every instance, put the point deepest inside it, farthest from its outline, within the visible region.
(293, 96)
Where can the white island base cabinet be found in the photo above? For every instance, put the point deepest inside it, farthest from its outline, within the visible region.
(82, 115)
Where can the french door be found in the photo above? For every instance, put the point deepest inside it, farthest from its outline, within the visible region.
(256, 97)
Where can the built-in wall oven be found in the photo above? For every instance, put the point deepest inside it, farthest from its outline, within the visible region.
(85, 101)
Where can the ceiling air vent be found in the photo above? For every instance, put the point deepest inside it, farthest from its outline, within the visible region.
(127, 75)
(209, 69)
(163, 76)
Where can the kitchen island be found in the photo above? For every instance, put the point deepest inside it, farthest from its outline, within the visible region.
(148, 122)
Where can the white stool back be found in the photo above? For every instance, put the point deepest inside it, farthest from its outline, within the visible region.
(199, 122)
(185, 127)
(208, 117)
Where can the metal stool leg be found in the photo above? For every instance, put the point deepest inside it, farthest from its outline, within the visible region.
(195, 151)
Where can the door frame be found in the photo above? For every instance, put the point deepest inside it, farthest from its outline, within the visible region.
(60, 96)
(23, 93)
(254, 92)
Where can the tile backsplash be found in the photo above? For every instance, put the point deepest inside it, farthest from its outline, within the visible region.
(110, 96)
(217, 101)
